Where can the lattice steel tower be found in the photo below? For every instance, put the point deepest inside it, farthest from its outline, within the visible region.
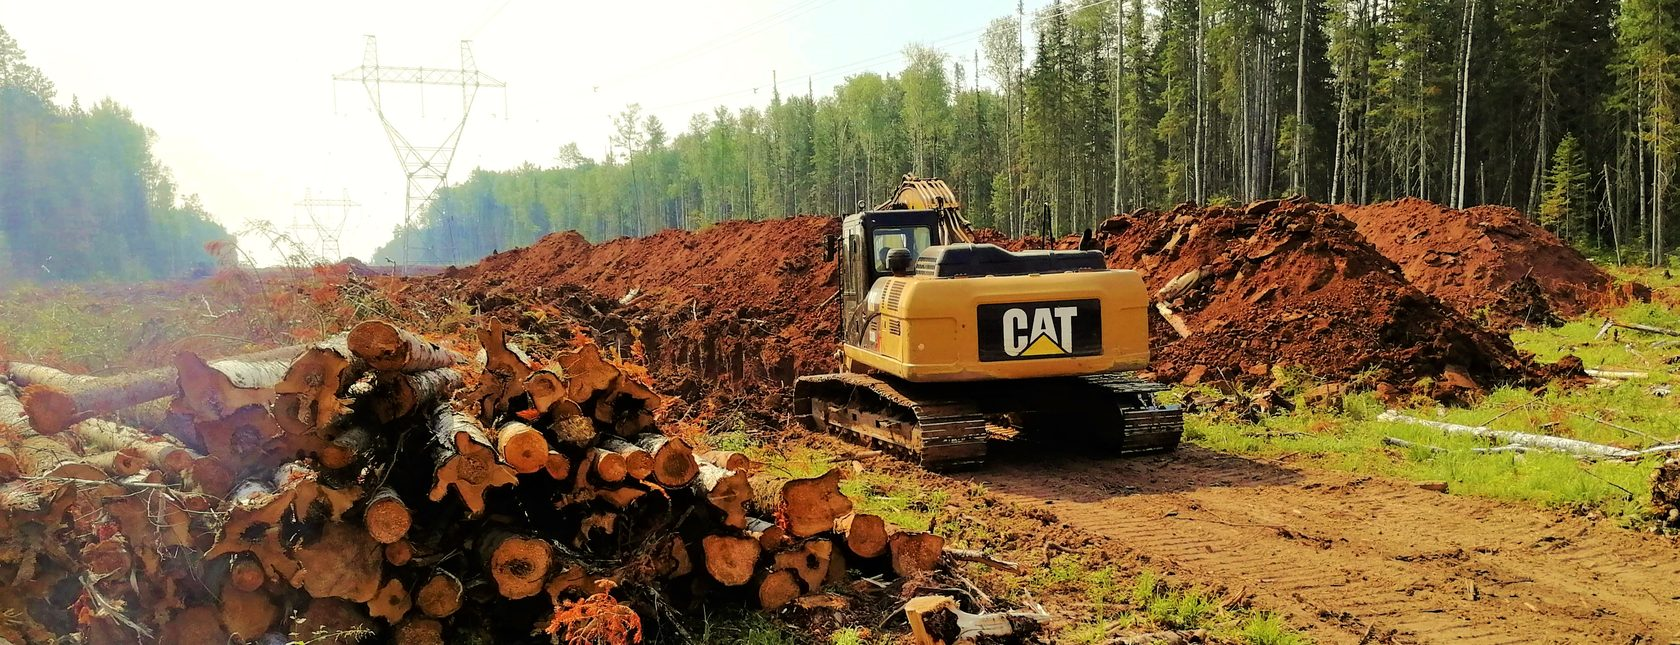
(425, 168)
(318, 218)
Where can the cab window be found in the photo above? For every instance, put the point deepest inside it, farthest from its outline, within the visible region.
(914, 238)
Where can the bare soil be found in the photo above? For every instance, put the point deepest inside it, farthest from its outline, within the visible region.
(1356, 558)
(1293, 284)
(1489, 262)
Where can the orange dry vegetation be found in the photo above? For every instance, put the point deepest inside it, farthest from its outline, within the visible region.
(596, 620)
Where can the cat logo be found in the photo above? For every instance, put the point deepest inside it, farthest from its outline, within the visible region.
(1043, 332)
(1028, 330)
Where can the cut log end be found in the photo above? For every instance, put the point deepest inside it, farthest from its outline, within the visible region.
(810, 506)
(387, 518)
(522, 447)
(866, 534)
(777, 589)
(915, 552)
(518, 564)
(440, 595)
(50, 411)
(730, 559)
(391, 603)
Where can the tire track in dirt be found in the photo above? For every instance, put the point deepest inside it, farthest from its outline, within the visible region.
(1355, 556)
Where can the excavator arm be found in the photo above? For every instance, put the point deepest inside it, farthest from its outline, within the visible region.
(916, 193)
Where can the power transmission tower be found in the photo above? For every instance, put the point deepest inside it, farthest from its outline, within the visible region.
(327, 227)
(425, 168)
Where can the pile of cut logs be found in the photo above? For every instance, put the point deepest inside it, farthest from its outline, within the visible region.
(377, 483)
(1665, 492)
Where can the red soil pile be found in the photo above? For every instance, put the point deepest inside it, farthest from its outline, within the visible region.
(1295, 285)
(741, 307)
(1488, 262)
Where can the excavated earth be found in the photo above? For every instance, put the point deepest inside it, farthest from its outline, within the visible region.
(739, 309)
(1489, 262)
(1282, 284)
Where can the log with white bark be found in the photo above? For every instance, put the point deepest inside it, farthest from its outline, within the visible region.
(388, 348)
(1558, 444)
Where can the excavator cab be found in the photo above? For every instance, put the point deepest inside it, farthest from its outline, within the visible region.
(866, 242)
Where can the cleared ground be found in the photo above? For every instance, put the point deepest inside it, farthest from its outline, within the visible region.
(1356, 559)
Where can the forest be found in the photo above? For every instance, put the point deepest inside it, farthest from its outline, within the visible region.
(1060, 118)
(81, 196)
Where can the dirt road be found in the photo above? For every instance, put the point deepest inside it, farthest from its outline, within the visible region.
(1356, 558)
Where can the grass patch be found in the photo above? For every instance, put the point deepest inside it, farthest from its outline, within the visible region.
(1631, 414)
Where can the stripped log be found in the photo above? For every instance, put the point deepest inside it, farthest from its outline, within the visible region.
(558, 466)
(608, 466)
(587, 372)
(399, 553)
(673, 459)
(777, 588)
(349, 448)
(505, 370)
(388, 348)
(463, 459)
(810, 506)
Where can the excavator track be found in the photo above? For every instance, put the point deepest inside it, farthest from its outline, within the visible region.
(944, 426)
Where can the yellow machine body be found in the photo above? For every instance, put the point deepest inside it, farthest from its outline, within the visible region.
(927, 330)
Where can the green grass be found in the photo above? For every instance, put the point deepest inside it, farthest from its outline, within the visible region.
(1630, 414)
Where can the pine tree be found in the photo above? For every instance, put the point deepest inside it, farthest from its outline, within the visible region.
(1564, 209)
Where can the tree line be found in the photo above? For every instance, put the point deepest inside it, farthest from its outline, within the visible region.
(1563, 109)
(81, 196)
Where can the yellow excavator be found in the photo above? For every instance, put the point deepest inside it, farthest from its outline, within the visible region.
(947, 342)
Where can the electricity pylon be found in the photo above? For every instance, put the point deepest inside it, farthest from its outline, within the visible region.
(327, 226)
(425, 168)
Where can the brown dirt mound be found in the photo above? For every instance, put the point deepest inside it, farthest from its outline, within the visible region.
(730, 309)
(1488, 262)
(1295, 286)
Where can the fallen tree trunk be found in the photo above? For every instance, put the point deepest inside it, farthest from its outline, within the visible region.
(1559, 444)
(211, 391)
(388, 348)
(58, 399)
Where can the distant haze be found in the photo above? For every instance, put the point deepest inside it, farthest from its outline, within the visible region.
(243, 103)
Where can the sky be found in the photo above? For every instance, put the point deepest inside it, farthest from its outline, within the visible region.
(247, 115)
